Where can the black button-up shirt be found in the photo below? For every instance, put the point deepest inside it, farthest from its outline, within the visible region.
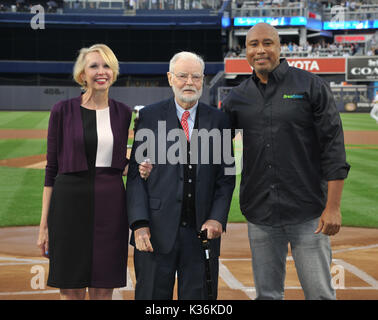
(293, 143)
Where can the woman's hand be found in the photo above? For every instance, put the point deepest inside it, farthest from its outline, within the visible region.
(43, 238)
(43, 241)
(124, 173)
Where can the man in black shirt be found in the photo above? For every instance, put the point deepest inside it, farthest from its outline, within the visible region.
(294, 166)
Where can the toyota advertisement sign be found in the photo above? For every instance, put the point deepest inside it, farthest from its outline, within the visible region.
(355, 68)
(362, 68)
(236, 66)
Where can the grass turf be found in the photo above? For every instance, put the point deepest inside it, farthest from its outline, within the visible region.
(20, 196)
(14, 148)
(21, 193)
(39, 120)
(358, 122)
(359, 205)
(21, 189)
(24, 119)
(30, 120)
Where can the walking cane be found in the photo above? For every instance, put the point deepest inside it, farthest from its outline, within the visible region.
(202, 235)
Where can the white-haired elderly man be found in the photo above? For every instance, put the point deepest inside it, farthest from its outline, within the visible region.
(179, 198)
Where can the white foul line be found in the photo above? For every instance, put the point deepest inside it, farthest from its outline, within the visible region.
(234, 283)
(16, 293)
(358, 272)
(355, 248)
(23, 260)
(224, 273)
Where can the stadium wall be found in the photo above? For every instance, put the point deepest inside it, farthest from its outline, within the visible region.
(39, 98)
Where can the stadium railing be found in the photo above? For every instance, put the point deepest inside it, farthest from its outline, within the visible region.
(145, 4)
(177, 4)
(323, 52)
(252, 9)
(94, 4)
(363, 12)
(303, 53)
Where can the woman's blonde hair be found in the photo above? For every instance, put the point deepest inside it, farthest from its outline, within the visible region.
(106, 53)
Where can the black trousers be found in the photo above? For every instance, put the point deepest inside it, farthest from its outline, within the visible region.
(156, 273)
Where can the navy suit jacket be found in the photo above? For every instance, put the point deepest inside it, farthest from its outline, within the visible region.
(159, 199)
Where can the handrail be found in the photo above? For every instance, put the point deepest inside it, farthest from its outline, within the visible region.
(363, 12)
(272, 11)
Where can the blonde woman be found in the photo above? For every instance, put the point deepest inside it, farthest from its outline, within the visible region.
(84, 228)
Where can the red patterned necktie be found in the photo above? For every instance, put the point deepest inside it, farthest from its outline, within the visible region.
(184, 123)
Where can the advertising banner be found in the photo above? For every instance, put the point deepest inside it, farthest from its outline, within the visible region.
(315, 65)
(362, 68)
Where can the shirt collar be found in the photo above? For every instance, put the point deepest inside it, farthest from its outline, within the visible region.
(278, 73)
(180, 110)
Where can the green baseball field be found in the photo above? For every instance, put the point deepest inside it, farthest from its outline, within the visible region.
(22, 160)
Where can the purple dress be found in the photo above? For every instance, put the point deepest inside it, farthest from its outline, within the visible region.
(88, 229)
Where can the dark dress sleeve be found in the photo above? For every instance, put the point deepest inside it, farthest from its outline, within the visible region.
(52, 146)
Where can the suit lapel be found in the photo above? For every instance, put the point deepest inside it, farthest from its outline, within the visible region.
(204, 122)
(169, 115)
(204, 117)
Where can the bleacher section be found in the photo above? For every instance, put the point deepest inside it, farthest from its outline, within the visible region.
(268, 8)
(304, 26)
(358, 12)
(144, 34)
(123, 6)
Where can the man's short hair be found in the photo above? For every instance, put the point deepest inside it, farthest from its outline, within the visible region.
(185, 55)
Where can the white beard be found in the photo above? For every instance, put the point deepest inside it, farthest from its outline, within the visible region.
(188, 99)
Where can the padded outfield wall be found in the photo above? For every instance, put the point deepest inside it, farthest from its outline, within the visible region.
(17, 98)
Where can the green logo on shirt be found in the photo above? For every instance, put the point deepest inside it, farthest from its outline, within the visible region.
(293, 96)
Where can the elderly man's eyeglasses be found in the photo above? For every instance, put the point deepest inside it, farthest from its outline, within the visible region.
(184, 77)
